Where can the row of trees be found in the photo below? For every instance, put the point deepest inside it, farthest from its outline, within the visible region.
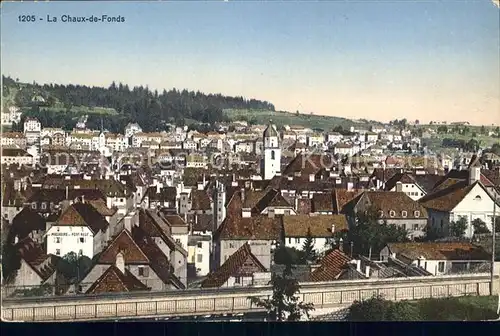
(436, 309)
(139, 104)
(470, 145)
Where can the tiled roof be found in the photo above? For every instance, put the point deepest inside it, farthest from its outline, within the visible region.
(304, 206)
(439, 251)
(322, 202)
(110, 188)
(307, 164)
(427, 181)
(174, 220)
(58, 195)
(125, 244)
(166, 194)
(35, 257)
(344, 200)
(201, 222)
(447, 199)
(113, 280)
(101, 207)
(331, 266)
(235, 226)
(240, 263)
(398, 202)
(404, 178)
(200, 200)
(27, 221)
(83, 214)
(159, 261)
(319, 225)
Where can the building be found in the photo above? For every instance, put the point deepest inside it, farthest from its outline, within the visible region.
(439, 258)
(272, 152)
(80, 229)
(16, 156)
(321, 228)
(242, 268)
(199, 254)
(14, 139)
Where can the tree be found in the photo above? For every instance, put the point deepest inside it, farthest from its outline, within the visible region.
(284, 304)
(480, 226)
(284, 255)
(74, 267)
(370, 235)
(379, 309)
(308, 252)
(457, 228)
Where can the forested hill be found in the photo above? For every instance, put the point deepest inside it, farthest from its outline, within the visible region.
(120, 104)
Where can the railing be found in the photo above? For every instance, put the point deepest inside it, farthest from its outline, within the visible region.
(202, 302)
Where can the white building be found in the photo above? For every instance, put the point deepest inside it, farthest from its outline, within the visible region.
(464, 199)
(131, 129)
(199, 247)
(272, 153)
(16, 156)
(32, 125)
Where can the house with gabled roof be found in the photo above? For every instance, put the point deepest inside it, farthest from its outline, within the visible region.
(261, 232)
(321, 228)
(170, 233)
(141, 257)
(35, 267)
(439, 258)
(242, 268)
(393, 208)
(117, 279)
(265, 202)
(335, 265)
(80, 229)
(461, 199)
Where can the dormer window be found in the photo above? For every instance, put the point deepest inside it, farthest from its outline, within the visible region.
(381, 213)
(33, 205)
(477, 198)
(404, 214)
(392, 213)
(417, 214)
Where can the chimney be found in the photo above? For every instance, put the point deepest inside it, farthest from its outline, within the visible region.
(16, 240)
(358, 266)
(399, 186)
(158, 188)
(333, 229)
(83, 198)
(311, 177)
(341, 245)
(120, 262)
(67, 192)
(243, 195)
(127, 223)
(367, 271)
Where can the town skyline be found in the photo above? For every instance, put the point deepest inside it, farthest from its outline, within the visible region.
(408, 60)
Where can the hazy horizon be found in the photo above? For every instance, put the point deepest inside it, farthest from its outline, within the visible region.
(431, 60)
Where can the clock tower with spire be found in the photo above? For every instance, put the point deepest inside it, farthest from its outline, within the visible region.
(272, 152)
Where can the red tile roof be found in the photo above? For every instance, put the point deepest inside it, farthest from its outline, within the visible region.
(331, 266)
(240, 263)
(124, 243)
(34, 255)
(83, 214)
(320, 226)
(439, 251)
(114, 280)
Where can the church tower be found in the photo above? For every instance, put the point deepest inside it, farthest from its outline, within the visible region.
(272, 152)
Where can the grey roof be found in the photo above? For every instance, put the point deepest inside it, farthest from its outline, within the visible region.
(270, 131)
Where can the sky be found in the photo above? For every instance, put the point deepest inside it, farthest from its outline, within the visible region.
(374, 59)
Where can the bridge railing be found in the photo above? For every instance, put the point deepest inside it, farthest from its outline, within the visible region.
(190, 303)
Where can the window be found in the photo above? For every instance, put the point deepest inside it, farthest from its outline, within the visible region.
(199, 258)
(80, 253)
(415, 227)
(381, 213)
(287, 212)
(237, 280)
(441, 267)
(231, 245)
(289, 240)
(44, 206)
(82, 240)
(33, 205)
(58, 252)
(178, 240)
(477, 198)
(199, 245)
(392, 213)
(144, 271)
(272, 155)
(297, 240)
(417, 214)
(404, 214)
(58, 240)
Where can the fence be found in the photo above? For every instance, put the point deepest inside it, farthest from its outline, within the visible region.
(207, 302)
